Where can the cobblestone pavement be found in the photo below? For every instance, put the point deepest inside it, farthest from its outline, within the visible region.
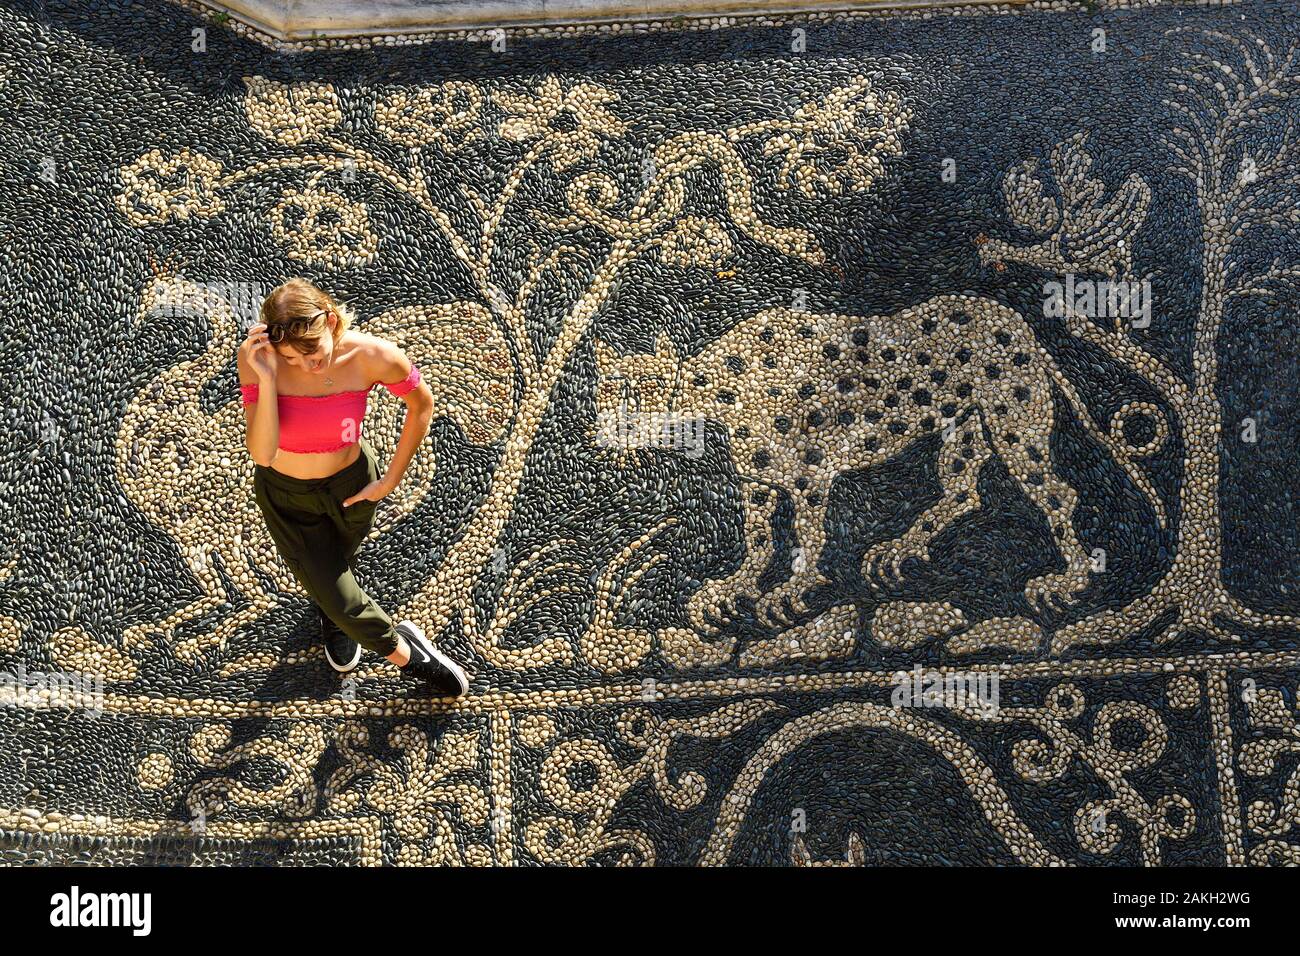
(857, 441)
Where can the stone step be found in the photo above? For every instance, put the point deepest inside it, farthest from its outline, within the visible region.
(297, 20)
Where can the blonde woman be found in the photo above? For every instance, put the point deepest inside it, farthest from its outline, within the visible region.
(306, 375)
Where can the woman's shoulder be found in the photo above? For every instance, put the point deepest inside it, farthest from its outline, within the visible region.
(378, 357)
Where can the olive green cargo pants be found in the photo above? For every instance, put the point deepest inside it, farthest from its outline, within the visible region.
(319, 539)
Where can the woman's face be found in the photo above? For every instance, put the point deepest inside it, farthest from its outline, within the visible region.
(314, 363)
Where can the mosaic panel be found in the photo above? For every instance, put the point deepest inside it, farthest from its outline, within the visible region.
(770, 364)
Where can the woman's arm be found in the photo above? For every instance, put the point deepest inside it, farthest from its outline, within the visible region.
(392, 366)
(262, 417)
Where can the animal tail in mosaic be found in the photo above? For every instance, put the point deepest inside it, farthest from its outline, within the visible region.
(1125, 456)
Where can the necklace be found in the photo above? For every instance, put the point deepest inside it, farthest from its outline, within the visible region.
(328, 380)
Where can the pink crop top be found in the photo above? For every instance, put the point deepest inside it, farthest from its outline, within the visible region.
(315, 423)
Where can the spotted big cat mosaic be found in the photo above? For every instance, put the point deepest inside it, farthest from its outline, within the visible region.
(882, 456)
(822, 394)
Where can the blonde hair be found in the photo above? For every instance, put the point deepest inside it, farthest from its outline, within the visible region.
(299, 299)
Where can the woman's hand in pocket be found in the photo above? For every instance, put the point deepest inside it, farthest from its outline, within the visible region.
(371, 492)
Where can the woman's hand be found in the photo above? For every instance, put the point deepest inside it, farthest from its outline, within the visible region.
(260, 353)
(371, 492)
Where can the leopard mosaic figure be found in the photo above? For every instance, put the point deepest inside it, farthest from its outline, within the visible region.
(805, 396)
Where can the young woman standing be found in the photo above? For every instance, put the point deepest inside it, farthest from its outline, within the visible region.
(306, 375)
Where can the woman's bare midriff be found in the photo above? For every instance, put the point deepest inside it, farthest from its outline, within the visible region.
(314, 464)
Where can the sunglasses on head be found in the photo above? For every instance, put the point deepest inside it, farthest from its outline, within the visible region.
(276, 331)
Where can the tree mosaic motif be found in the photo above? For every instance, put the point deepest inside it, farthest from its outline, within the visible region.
(1223, 99)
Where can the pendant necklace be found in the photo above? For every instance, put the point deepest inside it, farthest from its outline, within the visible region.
(328, 380)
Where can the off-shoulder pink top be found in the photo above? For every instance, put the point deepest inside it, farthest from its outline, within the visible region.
(321, 423)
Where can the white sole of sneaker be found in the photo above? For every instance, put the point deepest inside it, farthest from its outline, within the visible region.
(347, 666)
(342, 667)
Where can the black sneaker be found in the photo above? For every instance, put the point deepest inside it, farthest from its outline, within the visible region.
(432, 664)
(341, 651)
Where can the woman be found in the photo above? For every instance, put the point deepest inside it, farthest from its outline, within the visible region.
(306, 375)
